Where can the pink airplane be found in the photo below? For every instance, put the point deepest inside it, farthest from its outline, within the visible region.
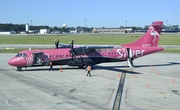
(90, 55)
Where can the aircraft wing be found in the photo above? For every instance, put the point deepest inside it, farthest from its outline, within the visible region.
(81, 49)
(98, 47)
(88, 49)
(61, 45)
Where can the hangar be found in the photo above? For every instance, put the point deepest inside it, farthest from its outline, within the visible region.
(44, 31)
(112, 30)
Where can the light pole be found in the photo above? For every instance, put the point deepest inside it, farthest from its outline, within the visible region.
(84, 25)
(84, 22)
(125, 23)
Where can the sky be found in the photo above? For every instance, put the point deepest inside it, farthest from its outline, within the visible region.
(96, 13)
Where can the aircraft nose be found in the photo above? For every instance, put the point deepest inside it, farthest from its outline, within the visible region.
(11, 62)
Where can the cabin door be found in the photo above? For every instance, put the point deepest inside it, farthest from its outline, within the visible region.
(40, 59)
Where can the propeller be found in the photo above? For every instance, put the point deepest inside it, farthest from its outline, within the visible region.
(72, 50)
(56, 42)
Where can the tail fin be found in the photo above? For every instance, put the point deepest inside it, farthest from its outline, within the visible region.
(151, 38)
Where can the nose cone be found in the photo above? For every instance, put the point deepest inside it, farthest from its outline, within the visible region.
(11, 62)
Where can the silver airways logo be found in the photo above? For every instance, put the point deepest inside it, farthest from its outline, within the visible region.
(155, 35)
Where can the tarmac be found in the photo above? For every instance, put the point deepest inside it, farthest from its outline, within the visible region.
(153, 85)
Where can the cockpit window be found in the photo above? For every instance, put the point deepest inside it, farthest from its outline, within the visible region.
(19, 55)
(24, 55)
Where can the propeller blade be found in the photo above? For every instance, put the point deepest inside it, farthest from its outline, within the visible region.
(72, 55)
(72, 51)
(56, 42)
(71, 44)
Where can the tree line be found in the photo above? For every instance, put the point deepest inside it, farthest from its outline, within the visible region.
(21, 27)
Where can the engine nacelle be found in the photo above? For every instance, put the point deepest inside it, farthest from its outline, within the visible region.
(63, 46)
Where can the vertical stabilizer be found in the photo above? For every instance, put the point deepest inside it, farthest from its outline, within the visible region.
(151, 38)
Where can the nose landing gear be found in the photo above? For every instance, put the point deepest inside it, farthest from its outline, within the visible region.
(19, 68)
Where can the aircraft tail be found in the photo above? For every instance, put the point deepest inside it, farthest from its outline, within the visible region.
(151, 38)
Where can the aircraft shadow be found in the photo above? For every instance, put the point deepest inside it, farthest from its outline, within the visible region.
(157, 65)
(110, 68)
(116, 68)
(47, 69)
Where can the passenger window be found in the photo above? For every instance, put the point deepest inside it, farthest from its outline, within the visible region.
(59, 55)
(56, 55)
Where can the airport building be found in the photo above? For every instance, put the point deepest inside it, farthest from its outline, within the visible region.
(112, 30)
(7, 32)
(56, 32)
(44, 31)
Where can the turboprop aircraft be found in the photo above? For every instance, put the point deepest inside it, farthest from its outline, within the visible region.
(81, 56)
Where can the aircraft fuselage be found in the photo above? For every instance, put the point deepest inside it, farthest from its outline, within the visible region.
(63, 56)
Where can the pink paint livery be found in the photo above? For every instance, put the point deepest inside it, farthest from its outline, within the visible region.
(85, 55)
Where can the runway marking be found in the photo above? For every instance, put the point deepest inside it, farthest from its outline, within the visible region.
(8, 101)
(7, 54)
(117, 100)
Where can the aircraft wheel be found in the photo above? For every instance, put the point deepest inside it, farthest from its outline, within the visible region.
(19, 68)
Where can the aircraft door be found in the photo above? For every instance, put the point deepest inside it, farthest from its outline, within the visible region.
(40, 59)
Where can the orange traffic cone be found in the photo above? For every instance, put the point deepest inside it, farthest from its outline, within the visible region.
(134, 76)
(158, 73)
(148, 85)
(173, 80)
(119, 75)
(152, 68)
